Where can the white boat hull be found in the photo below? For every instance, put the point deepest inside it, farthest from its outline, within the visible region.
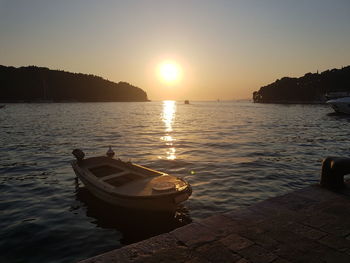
(341, 105)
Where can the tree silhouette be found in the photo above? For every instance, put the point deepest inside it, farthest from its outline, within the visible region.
(312, 87)
(37, 83)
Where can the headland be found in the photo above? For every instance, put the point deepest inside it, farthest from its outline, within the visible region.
(38, 84)
(311, 88)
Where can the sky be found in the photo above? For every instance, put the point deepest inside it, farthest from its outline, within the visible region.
(226, 49)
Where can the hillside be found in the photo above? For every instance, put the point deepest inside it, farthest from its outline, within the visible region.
(311, 88)
(30, 84)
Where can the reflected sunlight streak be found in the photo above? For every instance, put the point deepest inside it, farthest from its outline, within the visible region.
(168, 116)
(169, 109)
(171, 154)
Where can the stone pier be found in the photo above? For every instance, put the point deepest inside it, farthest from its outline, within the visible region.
(307, 225)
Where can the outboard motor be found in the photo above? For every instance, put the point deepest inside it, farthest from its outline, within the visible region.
(79, 154)
(110, 153)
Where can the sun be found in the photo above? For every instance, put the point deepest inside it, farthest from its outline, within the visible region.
(169, 72)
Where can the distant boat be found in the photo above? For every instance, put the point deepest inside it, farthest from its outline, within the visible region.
(187, 102)
(341, 105)
(2, 106)
(130, 185)
(336, 95)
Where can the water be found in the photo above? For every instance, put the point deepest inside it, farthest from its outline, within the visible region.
(233, 154)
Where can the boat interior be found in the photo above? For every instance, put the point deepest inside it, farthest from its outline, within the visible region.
(129, 179)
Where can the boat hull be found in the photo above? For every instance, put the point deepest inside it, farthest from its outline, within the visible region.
(162, 203)
(341, 105)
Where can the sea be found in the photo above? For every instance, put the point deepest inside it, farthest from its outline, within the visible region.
(234, 154)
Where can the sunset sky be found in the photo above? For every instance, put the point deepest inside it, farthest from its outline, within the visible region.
(221, 49)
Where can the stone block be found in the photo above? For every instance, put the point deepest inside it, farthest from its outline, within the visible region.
(141, 249)
(119, 255)
(222, 225)
(272, 210)
(257, 254)
(216, 252)
(316, 193)
(153, 244)
(197, 260)
(246, 216)
(339, 207)
(326, 254)
(318, 219)
(293, 202)
(194, 234)
(293, 254)
(339, 228)
(261, 239)
(305, 231)
(338, 243)
(236, 242)
(291, 239)
(175, 254)
(243, 260)
(280, 260)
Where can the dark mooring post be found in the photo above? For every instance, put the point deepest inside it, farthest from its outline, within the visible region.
(333, 171)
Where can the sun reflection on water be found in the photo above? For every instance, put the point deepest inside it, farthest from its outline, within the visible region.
(168, 116)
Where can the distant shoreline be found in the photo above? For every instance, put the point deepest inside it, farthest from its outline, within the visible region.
(290, 102)
(62, 101)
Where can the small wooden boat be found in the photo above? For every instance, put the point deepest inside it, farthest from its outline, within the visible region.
(130, 185)
(187, 102)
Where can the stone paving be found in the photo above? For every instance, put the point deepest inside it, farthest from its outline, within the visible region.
(308, 225)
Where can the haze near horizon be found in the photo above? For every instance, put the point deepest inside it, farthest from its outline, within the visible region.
(205, 50)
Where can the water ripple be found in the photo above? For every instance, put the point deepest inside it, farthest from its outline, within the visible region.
(233, 154)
